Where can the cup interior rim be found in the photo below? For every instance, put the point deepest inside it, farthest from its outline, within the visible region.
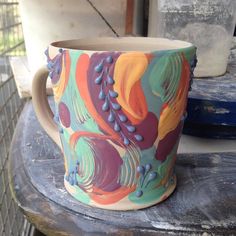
(147, 44)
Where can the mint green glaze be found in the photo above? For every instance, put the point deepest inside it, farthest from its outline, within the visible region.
(126, 168)
(189, 53)
(80, 117)
(151, 192)
(158, 71)
(80, 195)
(69, 160)
(80, 121)
(85, 156)
(166, 72)
(83, 153)
(130, 160)
(148, 155)
(154, 103)
(162, 168)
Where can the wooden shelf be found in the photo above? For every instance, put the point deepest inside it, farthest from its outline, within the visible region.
(212, 105)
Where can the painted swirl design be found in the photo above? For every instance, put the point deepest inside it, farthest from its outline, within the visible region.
(120, 118)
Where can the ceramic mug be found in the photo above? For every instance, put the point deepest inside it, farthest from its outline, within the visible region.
(120, 104)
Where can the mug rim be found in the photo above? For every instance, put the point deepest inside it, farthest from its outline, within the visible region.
(122, 44)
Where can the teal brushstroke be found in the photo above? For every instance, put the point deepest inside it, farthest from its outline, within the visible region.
(81, 120)
(154, 103)
(85, 156)
(150, 191)
(68, 154)
(164, 65)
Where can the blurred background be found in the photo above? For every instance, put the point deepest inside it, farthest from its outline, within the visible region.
(12, 221)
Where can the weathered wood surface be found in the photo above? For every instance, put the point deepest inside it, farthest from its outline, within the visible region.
(23, 77)
(69, 20)
(204, 202)
(212, 104)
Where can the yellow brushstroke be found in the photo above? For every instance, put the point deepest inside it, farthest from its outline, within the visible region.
(173, 112)
(129, 68)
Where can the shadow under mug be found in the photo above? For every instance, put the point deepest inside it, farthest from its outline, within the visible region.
(120, 105)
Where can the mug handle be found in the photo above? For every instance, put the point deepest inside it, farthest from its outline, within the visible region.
(41, 105)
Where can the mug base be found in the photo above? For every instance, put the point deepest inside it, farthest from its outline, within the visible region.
(124, 204)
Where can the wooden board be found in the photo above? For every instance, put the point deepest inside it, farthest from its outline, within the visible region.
(23, 77)
(202, 204)
(212, 105)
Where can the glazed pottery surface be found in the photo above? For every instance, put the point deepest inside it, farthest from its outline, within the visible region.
(120, 106)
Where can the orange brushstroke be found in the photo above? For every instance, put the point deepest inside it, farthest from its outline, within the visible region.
(75, 136)
(82, 84)
(149, 57)
(105, 198)
(163, 107)
(140, 104)
(128, 71)
(172, 113)
(168, 173)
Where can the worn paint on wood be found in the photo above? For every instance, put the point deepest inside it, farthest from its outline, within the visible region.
(212, 105)
(23, 78)
(204, 201)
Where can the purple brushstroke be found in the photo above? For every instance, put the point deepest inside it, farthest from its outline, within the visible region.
(64, 114)
(94, 89)
(105, 102)
(107, 165)
(166, 145)
(55, 65)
